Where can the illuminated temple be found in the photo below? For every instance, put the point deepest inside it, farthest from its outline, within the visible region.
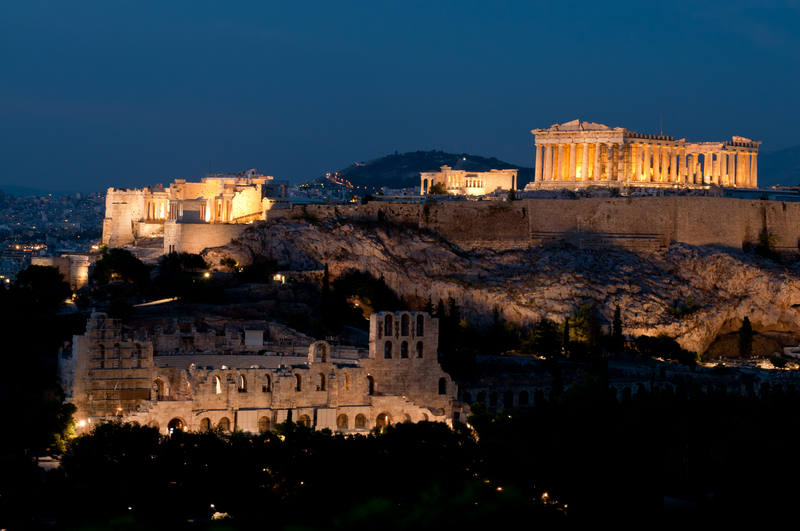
(582, 153)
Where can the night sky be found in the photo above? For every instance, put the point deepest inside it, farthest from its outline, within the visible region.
(126, 94)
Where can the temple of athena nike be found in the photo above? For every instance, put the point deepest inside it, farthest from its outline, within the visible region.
(578, 154)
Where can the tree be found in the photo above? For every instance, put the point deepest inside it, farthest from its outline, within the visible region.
(438, 189)
(512, 196)
(746, 339)
(229, 262)
(566, 337)
(120, 264)
(546, 341)
(619, 340)
(367, 198)
(43, 287)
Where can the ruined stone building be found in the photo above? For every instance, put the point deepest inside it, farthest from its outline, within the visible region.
(194, 380)
(582, 153)
(190, 216)
(461, 182)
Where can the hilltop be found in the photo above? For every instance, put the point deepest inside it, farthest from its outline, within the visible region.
(402, 170)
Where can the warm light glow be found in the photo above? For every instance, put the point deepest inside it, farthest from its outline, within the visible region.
(207, 275)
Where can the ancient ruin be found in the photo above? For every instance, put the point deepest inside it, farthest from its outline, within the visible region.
(238, 379)
(579, 153)
(461, 182)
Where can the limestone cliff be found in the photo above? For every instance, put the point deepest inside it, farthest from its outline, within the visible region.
(545, 282)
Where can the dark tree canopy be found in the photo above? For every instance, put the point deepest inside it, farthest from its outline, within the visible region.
(43, 287)
(746, 339)
(120, 264)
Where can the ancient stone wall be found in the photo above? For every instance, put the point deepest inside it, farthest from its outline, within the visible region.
(194, 237)
(246, 202)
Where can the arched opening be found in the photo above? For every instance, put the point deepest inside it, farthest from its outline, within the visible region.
(405, 322)
(370, 385)
(404, 349)
(425, 186)
(387, 325)
(323, 353)
(298, 383)
(342, 422)
(467, 398)
(224, 424)
(481, 397)
(242, 384)
(154, 424)
(304, 420)
(508, 400)
(205, 424)
(175, 425)
(424, 417)
(387, 350)
(382, 421)
(524, 398)
(347, 381)
(442, 386)
(101, 351)
(263, 424)
(320, 382)
(217, 385)
(361, 421)
(162, 389)
(420, 325)
(267, 387)
(419, 349)
(406, 418)
(493, 399)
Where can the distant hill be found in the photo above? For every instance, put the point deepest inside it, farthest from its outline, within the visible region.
(779, 167)
(402, 170)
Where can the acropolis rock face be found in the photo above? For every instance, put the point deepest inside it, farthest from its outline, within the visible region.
(528, 285)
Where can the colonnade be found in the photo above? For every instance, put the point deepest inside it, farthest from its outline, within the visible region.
(157, 208)
(646, 162)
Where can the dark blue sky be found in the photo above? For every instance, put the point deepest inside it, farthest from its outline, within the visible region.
(98, 94)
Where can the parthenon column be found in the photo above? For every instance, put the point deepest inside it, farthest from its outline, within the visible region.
(657, 163)
(754, 170)
(537, 176)
(723, 168)
(646, 163)
(747, 169)
(609, 160)
(560, 165)
(636, 153)
(573, 161)
(585, 162)
(740, 169)
(682, 169)
(548, 158)
(673, 167)
(698, 175)
(715, 169)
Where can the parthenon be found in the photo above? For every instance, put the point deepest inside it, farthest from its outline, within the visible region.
(584, 153)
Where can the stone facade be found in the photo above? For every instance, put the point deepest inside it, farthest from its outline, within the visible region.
(461, 182)
(582, 153)
(191, 380)
(218, 199)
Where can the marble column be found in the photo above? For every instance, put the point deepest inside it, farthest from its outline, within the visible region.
(548, 162)
(698, 176)
(715, 169)
(740, 169)
(609, 160)
(585, 162)
(657, 163)
(596, 163)
(573, 161)
(723, 168)
(682, 169)
(754, 171)
(673, 167)
(537, 175)
(560, 165)
(747, 169)
(646, 164)
(636, 152)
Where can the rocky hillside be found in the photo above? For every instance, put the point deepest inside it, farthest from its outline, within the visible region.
(546, 282)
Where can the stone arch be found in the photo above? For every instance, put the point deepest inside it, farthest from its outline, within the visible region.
(320, 382)
(404, 349)
(508, 399)
(467, 398)
(347, 381)
(264, 424)
(216, 384)
(361, 421)
(267, 386)
(318, 352)
(424, 418)
(442, 385)
(102, 351)
(205, 424)
(493, 399)
(481, 397)
(419, 349)
(387, 325)
(383, 420)
(154, 424)
(162, 388)
(342, 422)
(387, 350)
(406, 418)
(420, 325)
(524, 398)
(177, 424)
(370, 385)
(224, 424)
(242, 383)
(304, 420)
(298, 384)
(405, 322)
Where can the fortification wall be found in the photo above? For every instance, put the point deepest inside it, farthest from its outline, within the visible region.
(194, 237)
(480, 225)
(246, 202)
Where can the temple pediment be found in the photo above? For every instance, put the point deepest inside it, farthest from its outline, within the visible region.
(577, 125)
